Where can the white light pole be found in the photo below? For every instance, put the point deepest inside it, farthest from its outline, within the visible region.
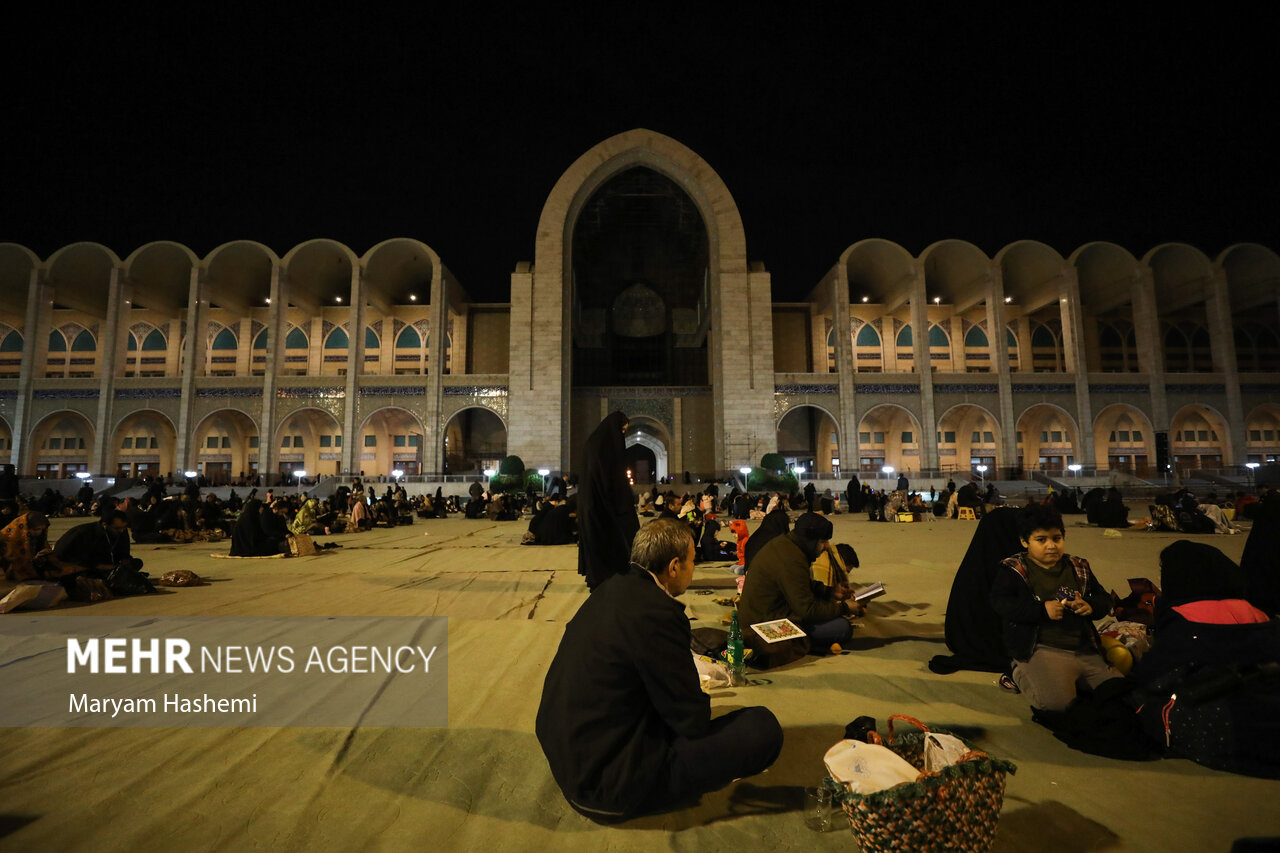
(1074, 469)
(1253, 472)
(982, 473)
(299, 473)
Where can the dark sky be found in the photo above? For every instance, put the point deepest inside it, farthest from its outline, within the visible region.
(827, 128)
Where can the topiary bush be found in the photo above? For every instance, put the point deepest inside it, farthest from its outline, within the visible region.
(511, 466)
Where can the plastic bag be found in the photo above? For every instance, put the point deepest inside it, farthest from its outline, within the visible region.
(711, 673)
(181, 577)
(942, 750)
(865, 768)
(33, 595)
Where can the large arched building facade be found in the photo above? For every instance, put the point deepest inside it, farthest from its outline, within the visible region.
(640, 297)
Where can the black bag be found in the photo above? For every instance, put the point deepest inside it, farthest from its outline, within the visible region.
(126, 578)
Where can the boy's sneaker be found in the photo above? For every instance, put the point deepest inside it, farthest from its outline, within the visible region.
(1007, 683)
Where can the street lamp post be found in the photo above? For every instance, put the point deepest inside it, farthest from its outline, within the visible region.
(1075, 470)
(299, 473)
(982, 474)
(1253, 473)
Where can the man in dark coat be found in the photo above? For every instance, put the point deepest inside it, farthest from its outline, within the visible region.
(623, 722)
(607, 519)
(780, 585)
(96, 546)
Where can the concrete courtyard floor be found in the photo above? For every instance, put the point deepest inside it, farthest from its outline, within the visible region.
(482, 783)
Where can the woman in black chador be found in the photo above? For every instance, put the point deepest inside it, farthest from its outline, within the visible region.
(973, 629)
(607, 520)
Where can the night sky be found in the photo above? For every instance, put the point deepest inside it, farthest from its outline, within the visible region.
(828, 128)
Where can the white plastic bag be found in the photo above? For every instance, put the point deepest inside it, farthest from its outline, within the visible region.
(712, 673)
(865, 768)
(942, 750)
(33, 595)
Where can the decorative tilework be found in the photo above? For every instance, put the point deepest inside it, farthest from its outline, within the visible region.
(1119, 389)
(229, 392)
(947, 388)
(304, 392)
(660, 409)
(394, 391)
(147, 393)
(65, 394)
(1043, 388)
(475, 391)
(1195, 389)
(806, 389)
(884, 388)
(1260, 388)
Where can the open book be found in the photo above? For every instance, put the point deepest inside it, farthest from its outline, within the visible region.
(868, 592)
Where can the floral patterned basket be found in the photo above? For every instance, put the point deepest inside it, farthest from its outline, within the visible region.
(955, 809)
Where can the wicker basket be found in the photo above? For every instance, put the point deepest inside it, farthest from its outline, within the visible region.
(956, 809)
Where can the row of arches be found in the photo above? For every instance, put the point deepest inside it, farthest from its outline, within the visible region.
(227, 443)
(1047, 439)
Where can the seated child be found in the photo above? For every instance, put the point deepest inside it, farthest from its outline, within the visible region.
(1049, 601)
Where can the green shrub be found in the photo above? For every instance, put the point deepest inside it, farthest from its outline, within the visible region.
(761, 480)
(773, 462)
(511, 466)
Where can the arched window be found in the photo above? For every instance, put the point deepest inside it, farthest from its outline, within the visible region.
(408, 339)
(131, 344)
(1042, 336)
(975, 337)
(371, 339)
(260, 342)
(337, 339)
(84, 342)
(904, 337)
(225, 340)
(1109, 337)
(938, 337)
(12, 342)
(154, 341)
(869, 337)
(57, 343)
(296, 339)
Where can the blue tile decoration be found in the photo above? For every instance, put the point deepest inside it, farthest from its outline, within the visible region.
(305, 392)
(395, 390)
(230, 392)
(886, 388)
(475, 390)
(948, 388)
(1044, 388)
(807, 389)
(1195, 389)
(147, 393)
(1119, 389)
(65, 394)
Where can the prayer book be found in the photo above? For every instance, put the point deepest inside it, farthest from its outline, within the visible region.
(868, 592)
(777, 630)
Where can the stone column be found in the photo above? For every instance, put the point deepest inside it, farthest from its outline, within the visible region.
(997, 336)
(928, 438)
(244, 346)
(1223, 346)
(351, 444)
(1074, 354)
(113, 342)
(193, 358)
(433, 439)
(675, 453)
(1146, 322)
(35, 355)
(538, 384)
(315, 347)
(846, 368)
(268, 451)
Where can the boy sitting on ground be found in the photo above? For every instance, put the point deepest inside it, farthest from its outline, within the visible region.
(1049, 601)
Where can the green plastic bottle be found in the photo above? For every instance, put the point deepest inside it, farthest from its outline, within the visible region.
(734, 654)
